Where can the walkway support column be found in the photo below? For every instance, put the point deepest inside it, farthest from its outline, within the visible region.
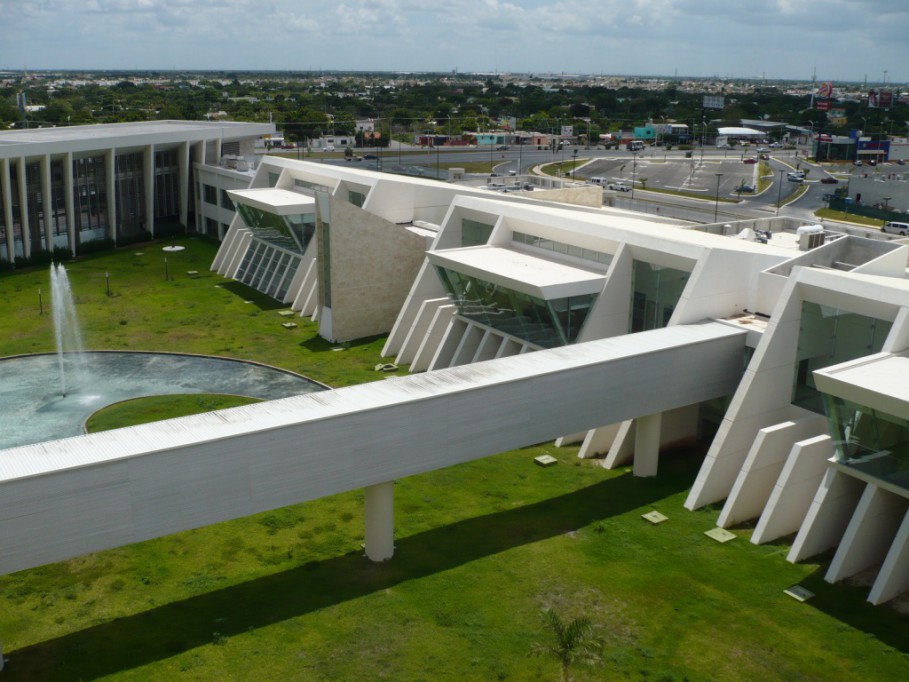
(7, 196)
(647, 444)
(379, 511)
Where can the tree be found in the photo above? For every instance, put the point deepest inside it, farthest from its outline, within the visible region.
(574, 642)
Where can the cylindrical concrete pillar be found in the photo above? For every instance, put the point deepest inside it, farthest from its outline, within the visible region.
(379, 512)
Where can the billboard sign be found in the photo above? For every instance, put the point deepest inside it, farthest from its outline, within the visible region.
(567, 131)
(880, 99)
(823, 105)
(714, 101)
(825, 90)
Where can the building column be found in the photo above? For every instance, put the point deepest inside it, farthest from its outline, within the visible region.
(183, 182)
(379, 512)
(72, 225)
(47, 202)
(647, 444)
(6, 189)
(148, 172)
(110, 179)
(23, 207)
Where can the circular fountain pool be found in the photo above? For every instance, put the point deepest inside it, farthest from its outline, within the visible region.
(33, 408)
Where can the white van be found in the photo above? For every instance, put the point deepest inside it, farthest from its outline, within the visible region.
(896, 228)
(636, 146)
(602, 182)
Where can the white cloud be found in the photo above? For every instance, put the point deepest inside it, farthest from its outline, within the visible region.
(782, 38)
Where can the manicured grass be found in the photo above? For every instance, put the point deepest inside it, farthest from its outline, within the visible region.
(848, 217)
(481, 549)
(157, 407)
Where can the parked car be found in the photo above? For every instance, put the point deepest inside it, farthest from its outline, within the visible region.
(857, 162)
(829, 180)
(751, 160)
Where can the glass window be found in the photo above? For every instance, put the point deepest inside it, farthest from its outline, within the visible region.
(544, 323)
(828, 336)
(474, 233)
(870, 441)
(655, 291)
(356, 198)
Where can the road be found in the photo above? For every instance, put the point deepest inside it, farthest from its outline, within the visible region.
(708, 161)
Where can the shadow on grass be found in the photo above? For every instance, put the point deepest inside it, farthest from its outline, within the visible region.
(848, 603)
(261, 301)
(177, 627)
(317, 344)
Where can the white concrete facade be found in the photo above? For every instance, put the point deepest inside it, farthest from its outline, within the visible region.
(64, 187)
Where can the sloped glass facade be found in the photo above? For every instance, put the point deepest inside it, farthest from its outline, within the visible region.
(549, 324)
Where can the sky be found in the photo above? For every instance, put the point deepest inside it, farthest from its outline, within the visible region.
(844, 40)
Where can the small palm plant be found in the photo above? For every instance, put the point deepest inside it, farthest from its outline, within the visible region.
(574, 642)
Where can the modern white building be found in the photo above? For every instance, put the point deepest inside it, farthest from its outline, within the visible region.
(814, 442)
(62, 188)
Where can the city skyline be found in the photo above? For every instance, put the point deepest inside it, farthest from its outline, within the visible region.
(840, 40)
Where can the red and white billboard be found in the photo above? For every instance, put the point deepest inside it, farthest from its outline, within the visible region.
(880, 99)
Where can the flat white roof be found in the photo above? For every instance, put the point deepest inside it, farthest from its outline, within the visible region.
(521, 271)
(878, 381)
(273, 200)
(102, 131)
(87, 138)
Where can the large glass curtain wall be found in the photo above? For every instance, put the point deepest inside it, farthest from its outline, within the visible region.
(130, 195)
(167, 185)
(828, 336)
(870, 441)
(275, 253)
(90, 199)
(655, 291)
(268, 269)
(57, 206)
(549, 324)
(291, 232)
(34, 206)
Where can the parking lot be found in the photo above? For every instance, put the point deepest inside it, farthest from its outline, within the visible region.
(691, 176)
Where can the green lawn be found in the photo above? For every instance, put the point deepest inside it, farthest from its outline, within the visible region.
(157, 407)
(481, 549)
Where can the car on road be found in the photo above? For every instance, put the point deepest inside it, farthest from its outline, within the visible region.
(795, 178)
(829, 180)
(857, 162)
(776, 145)
(369, 157)
(745, 189)
(751, 160)
(765, 157)
(619, 186)
(763, 150)
(896, 228)
(502, 148)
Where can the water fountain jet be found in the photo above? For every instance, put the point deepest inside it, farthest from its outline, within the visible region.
(67, 333)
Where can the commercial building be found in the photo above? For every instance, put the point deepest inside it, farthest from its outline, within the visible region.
(813, 442)
(61, 188)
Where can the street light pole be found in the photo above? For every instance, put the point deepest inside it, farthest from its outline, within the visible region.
(634, 168)
(716, 209)
(779, 192)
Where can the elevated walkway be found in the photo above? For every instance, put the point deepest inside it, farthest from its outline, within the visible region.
(64, 498)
